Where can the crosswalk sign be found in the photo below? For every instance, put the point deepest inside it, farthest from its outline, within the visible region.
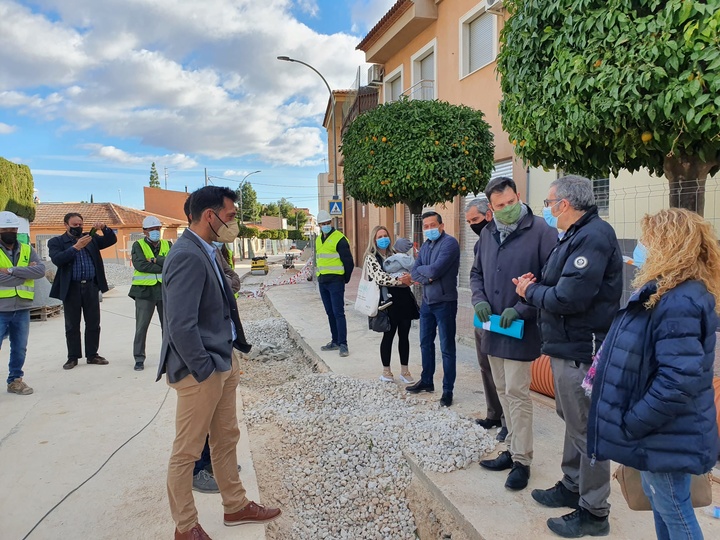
(336, 208)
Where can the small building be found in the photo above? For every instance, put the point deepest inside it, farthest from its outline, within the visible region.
(125, 221)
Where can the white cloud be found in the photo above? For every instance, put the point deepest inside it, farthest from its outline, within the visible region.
(6, 129)
(367, 13)
(113, 154)
(193, 81)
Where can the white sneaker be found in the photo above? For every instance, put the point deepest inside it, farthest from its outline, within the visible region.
(387, 376)
(407, 378)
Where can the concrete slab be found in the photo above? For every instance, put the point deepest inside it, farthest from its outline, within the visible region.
(478, 499)
(55, 439)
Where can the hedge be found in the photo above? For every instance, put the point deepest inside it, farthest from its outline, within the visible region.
(16, 189)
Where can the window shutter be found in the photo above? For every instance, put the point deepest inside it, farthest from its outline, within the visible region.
(481, 42)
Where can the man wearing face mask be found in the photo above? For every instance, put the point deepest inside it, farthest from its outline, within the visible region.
(79, 279)
(578, 295)
(478, 215)
(334, 263)
(514, 243)
(148, 257)
(436, 269)
(20, 266)
(198, 356)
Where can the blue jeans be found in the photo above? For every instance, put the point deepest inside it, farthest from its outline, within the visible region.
(669, 495)
(436, 318)
(333, 298)
(15, 325)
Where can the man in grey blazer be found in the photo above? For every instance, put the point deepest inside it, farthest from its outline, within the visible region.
(202, 329)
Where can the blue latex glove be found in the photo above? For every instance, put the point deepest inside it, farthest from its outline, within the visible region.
(507, 317)
(483, 311)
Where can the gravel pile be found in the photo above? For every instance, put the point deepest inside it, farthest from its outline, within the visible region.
(118, 274)
(271, 331)
(342, 452)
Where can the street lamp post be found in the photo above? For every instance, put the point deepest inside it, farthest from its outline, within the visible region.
(334, 131)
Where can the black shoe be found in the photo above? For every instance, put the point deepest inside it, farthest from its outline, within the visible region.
(501, 463)
(578, 524)
(97, 360)
(488, 423)
(557, 496)
(139, 366)
(71, 363)
(420, 387)
(446, 399)
(518, 477)
(502, 434)
(332, 346)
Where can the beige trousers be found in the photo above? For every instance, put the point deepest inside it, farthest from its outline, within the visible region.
(209, 406)
(512, 380)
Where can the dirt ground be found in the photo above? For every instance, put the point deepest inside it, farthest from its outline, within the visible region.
(432, 520)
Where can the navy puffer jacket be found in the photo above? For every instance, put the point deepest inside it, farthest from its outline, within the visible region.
(653, 405)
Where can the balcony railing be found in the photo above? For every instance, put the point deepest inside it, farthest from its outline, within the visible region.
(424, 89)
(365, 100)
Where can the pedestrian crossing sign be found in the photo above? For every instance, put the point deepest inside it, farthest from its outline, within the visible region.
(336, 208)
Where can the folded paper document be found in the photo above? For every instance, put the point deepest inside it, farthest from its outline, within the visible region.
(516, 328)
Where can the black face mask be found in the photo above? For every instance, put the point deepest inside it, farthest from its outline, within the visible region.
(478, 227)
(76, 231)
(8, 238)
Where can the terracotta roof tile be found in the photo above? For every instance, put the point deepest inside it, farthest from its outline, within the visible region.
(113, 215)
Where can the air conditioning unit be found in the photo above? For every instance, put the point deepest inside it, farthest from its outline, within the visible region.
(494, 6)
(375, 75)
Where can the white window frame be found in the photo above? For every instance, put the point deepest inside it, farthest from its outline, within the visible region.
(397, 73)
(464, 33)
(419, 56)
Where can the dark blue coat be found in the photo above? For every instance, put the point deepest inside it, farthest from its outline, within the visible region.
(653, 403)
(436, 269)
(579, 290)
(496, 263)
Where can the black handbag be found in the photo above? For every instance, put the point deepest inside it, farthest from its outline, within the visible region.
(380, 322)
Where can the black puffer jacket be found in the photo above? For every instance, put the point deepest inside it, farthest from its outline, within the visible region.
(579, 290)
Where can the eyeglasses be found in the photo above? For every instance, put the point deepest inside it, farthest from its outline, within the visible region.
(547, 202)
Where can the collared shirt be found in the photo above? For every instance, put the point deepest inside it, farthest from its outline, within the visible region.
(212, 253)
(83, 266)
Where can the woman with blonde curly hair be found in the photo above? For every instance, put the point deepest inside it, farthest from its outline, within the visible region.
(401, 311)
(653, 403)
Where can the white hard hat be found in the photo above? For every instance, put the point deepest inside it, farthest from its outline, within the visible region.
(8, 220)
(323, 216)
(150, 222)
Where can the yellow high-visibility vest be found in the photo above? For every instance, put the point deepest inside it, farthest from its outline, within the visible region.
(27, 289)
(328, 259)
(143, 278)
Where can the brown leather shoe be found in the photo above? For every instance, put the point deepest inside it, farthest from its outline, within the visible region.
(97, 360)
(71, 363)
(252, 513)
(196, 533)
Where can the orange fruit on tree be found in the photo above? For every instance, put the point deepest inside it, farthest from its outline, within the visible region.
(384, 139)
(646, 137)
(437, 142)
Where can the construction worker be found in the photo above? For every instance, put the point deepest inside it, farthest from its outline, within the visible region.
(148, 257)
(334, 268)
(20, 266)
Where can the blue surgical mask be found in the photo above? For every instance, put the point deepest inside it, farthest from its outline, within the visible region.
(154, 236)
(549, 218)
(383, 243)
(326, 229)
(432, 234)
(639, 254)
(218, 245)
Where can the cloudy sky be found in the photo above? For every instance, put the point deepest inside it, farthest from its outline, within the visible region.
(93, 91)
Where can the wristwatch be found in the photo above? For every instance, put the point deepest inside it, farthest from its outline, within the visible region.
(9, 271)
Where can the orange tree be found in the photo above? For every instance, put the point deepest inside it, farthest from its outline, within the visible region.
(595, 86)
(417, 152)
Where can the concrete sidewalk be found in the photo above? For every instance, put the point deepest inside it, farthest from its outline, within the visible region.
(476, 497)
(56, 438)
